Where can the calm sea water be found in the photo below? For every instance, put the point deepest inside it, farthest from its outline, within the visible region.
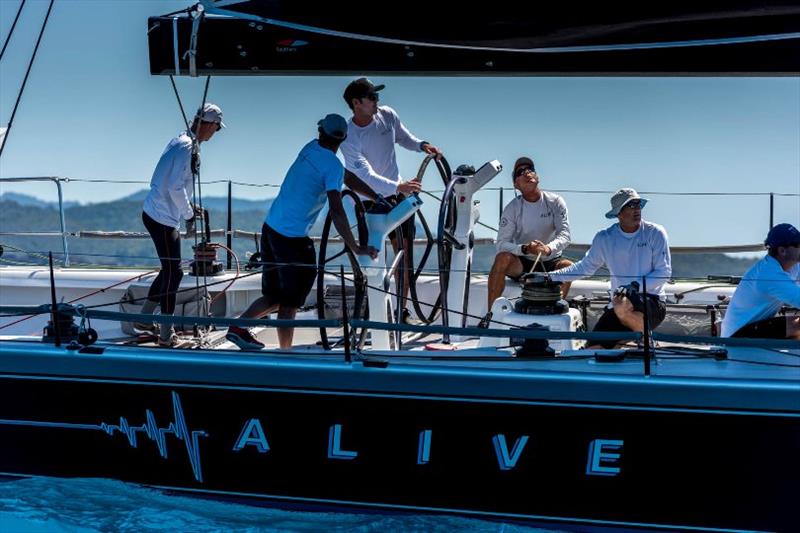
(99, 505)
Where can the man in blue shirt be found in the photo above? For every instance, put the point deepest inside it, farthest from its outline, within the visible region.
(766, 287)
(316, 176)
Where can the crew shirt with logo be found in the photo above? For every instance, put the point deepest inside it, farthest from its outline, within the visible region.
(545, 220)
(628, 257)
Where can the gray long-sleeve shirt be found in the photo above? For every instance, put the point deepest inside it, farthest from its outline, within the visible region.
(545, 220)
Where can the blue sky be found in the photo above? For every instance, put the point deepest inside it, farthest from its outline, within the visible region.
(91, 110)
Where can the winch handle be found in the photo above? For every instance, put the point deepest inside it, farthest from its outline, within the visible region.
(207, 226)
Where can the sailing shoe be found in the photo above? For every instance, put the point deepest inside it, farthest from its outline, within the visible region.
(485, 321)
(170, 342)
(147, 327)
(410, 320)
(242, 338)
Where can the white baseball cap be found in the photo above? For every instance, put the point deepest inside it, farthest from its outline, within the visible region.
(211, 113)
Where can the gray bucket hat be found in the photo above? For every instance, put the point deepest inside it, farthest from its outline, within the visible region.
(621, 198)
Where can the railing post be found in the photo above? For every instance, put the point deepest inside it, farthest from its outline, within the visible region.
(500, 208)
(63, 224)
(771, 210)
(229, 227)
(646, 332)
(54, 302)
(345, 319)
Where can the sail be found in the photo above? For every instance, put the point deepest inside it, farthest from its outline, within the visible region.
(266, 37)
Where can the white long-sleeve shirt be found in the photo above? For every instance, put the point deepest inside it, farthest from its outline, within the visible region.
(171, 185)
(764, 288)
(628, 257)
(369, 150)
(545, 220)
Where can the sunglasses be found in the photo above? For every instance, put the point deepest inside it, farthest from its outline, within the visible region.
(372, 96)
(522, 170)
(634, 205)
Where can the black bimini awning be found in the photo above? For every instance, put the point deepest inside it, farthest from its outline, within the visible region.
(268, 37)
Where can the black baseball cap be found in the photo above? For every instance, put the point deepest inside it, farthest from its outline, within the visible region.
(360, 88)
(522, 161)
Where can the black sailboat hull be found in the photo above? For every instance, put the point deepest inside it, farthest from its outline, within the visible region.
(487, 453)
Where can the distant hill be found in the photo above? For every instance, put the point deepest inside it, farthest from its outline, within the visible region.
(31, 215)
(24, 199)
(217, 203)
(119, 215)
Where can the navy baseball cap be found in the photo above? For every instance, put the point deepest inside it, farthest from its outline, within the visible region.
(782, 235)
(334, 126)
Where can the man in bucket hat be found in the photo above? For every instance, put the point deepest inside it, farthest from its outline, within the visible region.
(767, 286)
(631, 249)
(287, 253)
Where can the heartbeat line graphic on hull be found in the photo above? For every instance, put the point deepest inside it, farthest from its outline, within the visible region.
(150, 429)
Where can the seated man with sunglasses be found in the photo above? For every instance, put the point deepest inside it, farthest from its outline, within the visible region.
(533, 225)
(631, 249)
(369, 153)
(769, 284)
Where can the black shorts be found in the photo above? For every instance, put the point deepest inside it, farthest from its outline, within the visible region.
(608, 321)
(769, 328)
(541, 266)
(408, 227)
(287, 285)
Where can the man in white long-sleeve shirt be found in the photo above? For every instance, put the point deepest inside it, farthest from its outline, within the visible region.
(167, 204)
(534, 224)
(765, 288)
(631, 249)
(369, 152)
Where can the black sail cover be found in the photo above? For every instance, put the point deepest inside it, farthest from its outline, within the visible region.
(268, 37)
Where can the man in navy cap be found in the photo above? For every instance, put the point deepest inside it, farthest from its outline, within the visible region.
(287, 253)
(369, 152)
(769, 284)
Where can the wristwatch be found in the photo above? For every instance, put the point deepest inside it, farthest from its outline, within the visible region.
(524, 249)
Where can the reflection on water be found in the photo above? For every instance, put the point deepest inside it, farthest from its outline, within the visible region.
(97, 505)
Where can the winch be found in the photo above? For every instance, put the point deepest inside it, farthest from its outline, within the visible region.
(205, 254)
(541, 297)
(65, 324)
